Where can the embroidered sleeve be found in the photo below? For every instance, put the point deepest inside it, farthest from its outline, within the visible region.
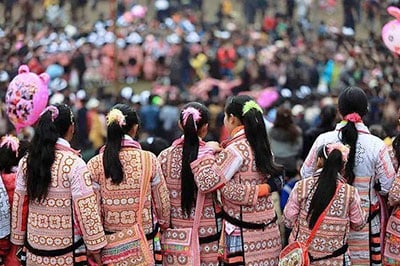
(94, 169)
(19, 211)
(4, 211)
(358, 217)
(240, 194)
(212, 172)
(160, 195)
(384, 170)
(292, 208)
(86, 207)
(311, 160)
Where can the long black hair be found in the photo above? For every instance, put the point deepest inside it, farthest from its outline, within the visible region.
(189, 153)
(115, 133)
(41, 154)
(351, 100)
(326, 183)
(256, 134)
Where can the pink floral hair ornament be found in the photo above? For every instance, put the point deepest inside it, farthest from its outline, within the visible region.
(53, 111)
(195, 114)
(10, 142)
(344, 149)
(353, 117)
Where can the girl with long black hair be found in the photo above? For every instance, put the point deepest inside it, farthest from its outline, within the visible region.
(245, 173)
(175, 163)
(118, 172)
(369, 169)
(63, 218)
(311, 196)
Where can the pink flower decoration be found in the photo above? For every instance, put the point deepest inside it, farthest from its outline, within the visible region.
(353, 117)
(191, 111)
(53, 110)
(344, 149)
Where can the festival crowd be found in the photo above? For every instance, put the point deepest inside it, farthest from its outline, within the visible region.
(246, 141)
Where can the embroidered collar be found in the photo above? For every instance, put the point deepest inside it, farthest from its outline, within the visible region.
(237, 135)
(361, 128)
(128, 141)
(63, 145)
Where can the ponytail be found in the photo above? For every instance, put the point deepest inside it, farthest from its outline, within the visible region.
(256, 134)
(41, 156)
(326, 184)
(193, 117)
(120, 121)
(349, 137)
(189, 154)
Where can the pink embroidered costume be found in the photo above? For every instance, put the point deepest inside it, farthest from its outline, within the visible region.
(118, 205)
(371, 166)
(250, 234)
(183, 192)
(49, 222)
(345, 214)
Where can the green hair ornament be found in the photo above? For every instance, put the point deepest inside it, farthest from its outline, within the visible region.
(251, 105)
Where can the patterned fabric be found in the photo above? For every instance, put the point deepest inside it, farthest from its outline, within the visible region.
(4, 211)
(49, 222)
(171, 165)
(333, 233)
(234, 171)
(120, 203)
(372, 165)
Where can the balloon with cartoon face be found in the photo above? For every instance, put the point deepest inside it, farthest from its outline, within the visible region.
(391, 31)
(26, 97)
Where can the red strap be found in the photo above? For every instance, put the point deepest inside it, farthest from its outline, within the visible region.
(322, 216)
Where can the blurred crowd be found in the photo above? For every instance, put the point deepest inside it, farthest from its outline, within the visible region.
(163, 54)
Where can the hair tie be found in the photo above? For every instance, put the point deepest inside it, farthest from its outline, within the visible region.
(344, 149)
(353, 117)
(251, 105)
(10, 142)
(53, 111)
(116, 116)
(195, 114)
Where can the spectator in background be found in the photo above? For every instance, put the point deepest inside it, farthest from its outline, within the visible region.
(286, 141)
(327, 122)
(150, 115)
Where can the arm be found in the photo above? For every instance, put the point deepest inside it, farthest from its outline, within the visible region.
(160, 195)
(311, 161)
(240, 194)
(94, 168)
(211, 172)
(20, 207)
(384, 172)
(292, 208)
(358, 217)
(85, 207)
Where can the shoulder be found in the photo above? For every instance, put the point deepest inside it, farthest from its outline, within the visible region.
(95, 161)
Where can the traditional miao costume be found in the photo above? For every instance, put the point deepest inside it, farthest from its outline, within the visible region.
(120, 203)
(372, 165)
(332, 235)
(48, 228)
(210, 223)
(250, 233)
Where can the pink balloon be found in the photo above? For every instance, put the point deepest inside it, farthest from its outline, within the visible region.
(26, 97)
(391, 31)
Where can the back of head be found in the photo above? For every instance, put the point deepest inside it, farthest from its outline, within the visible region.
(250, 115)
(353, 100)
(284, 121)
(328, 115)
(120, 121)
(193, 117)
(353, 105)
(9, 147)
(54, 123)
